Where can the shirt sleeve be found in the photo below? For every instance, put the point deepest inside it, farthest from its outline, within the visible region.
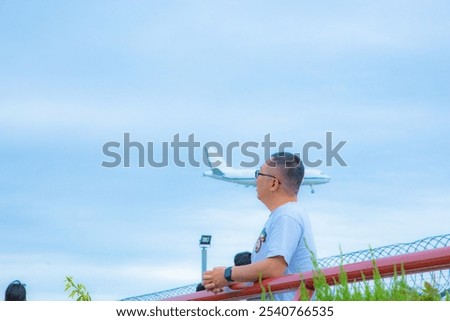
(284, 237)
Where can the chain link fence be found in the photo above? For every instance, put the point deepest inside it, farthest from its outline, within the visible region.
(439, 279)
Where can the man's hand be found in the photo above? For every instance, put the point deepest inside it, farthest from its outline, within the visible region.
(213, 280)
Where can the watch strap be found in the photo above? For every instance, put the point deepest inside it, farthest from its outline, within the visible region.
(227, 274)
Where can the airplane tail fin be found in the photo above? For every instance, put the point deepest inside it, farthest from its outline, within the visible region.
(216, 161)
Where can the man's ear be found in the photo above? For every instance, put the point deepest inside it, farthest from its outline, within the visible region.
(275, 185)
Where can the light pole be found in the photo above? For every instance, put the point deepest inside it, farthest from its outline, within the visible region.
(205, 242)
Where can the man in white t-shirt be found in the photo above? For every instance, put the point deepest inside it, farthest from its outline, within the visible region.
(286, 241)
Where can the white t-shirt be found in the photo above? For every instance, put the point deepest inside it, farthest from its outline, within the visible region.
(287, 233)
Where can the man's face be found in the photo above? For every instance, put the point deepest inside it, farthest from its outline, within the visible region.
(268, 176)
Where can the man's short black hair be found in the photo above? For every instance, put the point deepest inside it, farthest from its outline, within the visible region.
(291, 167)
(15, 292)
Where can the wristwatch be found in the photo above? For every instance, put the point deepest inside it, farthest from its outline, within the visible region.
(227, 274)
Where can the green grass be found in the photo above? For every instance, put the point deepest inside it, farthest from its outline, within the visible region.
(377, 289)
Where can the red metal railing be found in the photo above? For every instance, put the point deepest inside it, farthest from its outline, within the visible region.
(418, 262)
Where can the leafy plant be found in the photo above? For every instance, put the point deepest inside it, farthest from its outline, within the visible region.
(264, 295)
(375, 290)
(378, 289)
(78, 290)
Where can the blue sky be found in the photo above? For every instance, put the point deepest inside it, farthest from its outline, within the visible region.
(77, 74)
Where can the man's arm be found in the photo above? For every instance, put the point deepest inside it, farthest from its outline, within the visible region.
(267, 268)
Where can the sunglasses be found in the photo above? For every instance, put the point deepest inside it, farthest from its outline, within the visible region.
(258, 173)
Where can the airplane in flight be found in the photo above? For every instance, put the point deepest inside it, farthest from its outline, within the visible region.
(246, 177)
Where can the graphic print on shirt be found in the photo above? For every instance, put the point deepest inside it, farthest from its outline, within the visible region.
(261, 239)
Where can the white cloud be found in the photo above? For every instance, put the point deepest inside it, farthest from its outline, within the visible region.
(356, 226)
(232, 71)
